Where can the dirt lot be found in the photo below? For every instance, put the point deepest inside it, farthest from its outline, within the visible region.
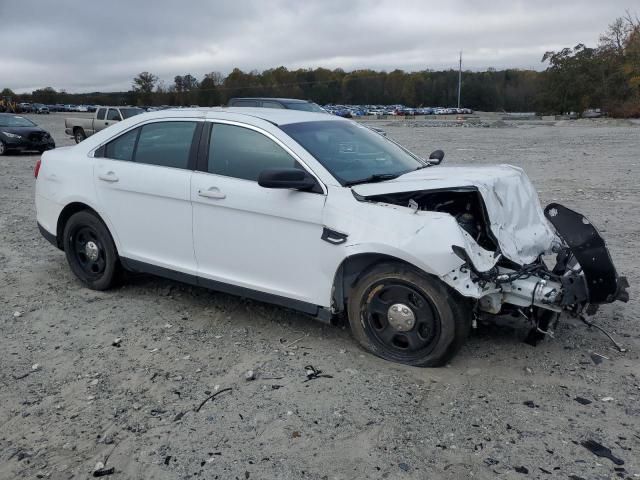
(501, 409)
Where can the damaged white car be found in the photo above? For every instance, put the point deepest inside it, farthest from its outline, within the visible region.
(325, 216)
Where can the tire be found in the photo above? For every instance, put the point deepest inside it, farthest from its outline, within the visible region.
(3, 148)
(79, 135)
(403, 315)
(90, 251)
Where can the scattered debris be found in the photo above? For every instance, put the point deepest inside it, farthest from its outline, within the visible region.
(167, 459)
(296, 434)
(606, 399)
(178, 416)
(116, 342)
(250, 375)
(276, 387)
(530, 404)
(601, 451)
(35, 367)
(521, 469)
(591, 324)
(17, 314)
(543, 470)
(313, 373)
(583, 401)
(597, 358)
(100, 471)
(491, 461)
(211, 397)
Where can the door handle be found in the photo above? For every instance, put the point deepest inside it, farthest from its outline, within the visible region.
(108, 177)
(212, 192)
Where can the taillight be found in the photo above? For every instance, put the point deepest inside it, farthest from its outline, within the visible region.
(36, 169)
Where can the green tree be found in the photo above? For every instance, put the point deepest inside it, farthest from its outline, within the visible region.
(143, 86)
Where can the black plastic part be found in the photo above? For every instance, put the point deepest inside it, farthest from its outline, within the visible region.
(49, 237)
(590, 250)
(294, 178)
(333, 237)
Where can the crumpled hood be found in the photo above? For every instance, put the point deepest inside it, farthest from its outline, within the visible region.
(515, 214)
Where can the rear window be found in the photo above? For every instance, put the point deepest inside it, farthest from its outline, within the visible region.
(305, 107)
(244, 103)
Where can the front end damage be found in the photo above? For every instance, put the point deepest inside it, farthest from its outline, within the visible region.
(506, 241)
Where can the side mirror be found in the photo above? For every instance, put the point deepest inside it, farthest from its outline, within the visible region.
(436, 157)
(294, 178)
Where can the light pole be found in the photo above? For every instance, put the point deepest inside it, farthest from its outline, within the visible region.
(459, 78)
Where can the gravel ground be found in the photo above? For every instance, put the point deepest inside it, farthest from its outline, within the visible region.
(69, 398)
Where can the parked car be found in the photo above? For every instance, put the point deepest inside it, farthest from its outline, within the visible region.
(322, 215)
(19, 134)
(286, 103)
(40, 109)
(81, 128)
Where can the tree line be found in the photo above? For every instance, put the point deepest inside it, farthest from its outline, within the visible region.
(606, 76)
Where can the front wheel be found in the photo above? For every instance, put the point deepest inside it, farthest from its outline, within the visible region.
(3, 148)
(90, 251)
(401, 314)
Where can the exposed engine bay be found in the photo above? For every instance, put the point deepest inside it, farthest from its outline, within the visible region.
(534, 290)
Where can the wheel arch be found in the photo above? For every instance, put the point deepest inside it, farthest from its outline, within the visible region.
(66, 213)
(352, 268)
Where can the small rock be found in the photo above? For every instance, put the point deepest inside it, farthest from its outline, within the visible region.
(154, 350)
(99, 466)
(606, 399)
(107, 440)
(17, 314)
(116, 342)
(250, 375)
(530, 404)
(35, 367)
(93, 383)
(403, 466)
(522, 469)
(583, 401)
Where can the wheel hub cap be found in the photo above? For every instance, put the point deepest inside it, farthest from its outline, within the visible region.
(91, 250)
(401, 317)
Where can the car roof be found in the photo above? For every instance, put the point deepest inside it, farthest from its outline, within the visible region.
(282, 100)
(275, 116)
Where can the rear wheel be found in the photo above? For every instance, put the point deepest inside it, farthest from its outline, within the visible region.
(403, 315)
(90, 251)
(79, 135)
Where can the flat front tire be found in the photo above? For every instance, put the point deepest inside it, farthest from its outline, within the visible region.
(401, 314)
(90, 251)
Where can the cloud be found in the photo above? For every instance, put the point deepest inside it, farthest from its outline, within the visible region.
(82, 45)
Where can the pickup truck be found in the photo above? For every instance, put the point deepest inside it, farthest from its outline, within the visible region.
(81, 128)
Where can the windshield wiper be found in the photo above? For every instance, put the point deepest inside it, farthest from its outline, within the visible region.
(376, 177)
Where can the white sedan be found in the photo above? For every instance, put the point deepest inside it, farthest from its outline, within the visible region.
(323, 215)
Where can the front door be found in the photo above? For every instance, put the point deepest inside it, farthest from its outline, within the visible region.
(252, 237)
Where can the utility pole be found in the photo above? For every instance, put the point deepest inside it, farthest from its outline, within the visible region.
(459, 78)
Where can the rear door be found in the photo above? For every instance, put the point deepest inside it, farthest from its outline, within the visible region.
(143, 181)
(112, 116)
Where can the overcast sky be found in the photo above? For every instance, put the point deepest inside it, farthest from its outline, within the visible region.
(92, 45)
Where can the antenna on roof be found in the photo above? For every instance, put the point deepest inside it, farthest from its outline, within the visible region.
(459, 78)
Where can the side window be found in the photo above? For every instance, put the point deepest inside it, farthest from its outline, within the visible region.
(113, 114)
(243, 153)
(245, 103)
(271, 105)
(122, 147)
(166, 144)
(100, 113)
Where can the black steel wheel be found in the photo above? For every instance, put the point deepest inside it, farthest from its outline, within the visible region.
(406, 316)
(90, 251)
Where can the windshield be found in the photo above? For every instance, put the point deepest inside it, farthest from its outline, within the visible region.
(15, 121)
(352, 152)
(305, 107)
(130, 112)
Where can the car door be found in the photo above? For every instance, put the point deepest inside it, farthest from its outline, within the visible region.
(112, 117)
(266, 240)
(143, 182)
